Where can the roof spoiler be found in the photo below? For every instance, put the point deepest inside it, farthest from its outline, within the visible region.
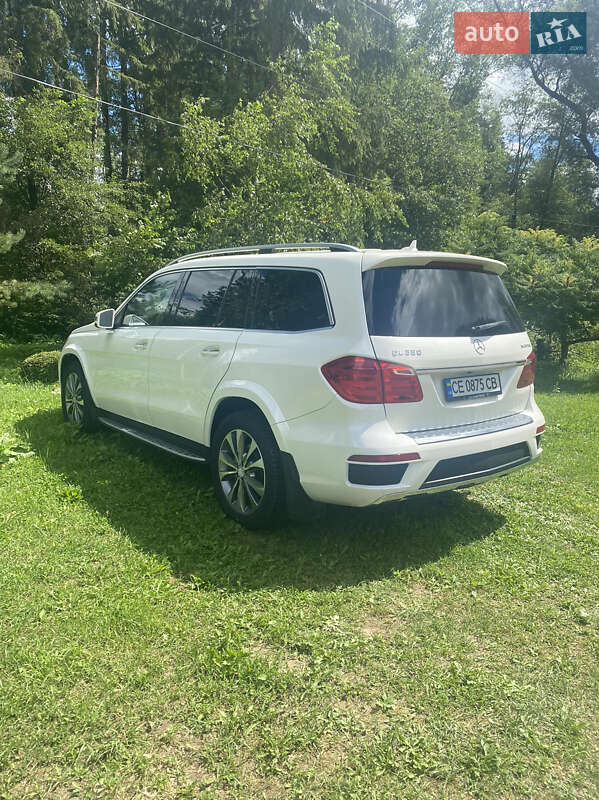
(410, 257)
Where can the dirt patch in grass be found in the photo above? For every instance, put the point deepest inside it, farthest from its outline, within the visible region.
(256, 785)
(41, 782)
(291, 662)
(181, 756)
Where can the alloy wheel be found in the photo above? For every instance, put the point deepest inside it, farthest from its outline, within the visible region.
(73, 398)
(241, 471)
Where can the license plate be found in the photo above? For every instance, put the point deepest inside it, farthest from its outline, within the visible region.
(472, 386)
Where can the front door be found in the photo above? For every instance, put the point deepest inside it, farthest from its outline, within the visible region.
(120, 361)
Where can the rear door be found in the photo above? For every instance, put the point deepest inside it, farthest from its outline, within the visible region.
(458, 329)
(190, 358)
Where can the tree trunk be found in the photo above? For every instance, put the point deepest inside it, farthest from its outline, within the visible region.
(580, 112)
(551, 181)
(107, 151)
(97, 58)
(564, 347)
(124, 123)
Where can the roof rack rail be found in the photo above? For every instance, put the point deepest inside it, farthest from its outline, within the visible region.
(334, 247)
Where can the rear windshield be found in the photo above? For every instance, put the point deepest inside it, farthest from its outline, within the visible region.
(442, 302)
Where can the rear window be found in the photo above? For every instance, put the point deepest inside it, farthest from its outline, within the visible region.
(441, 302)
(234, 310)
(289, 300)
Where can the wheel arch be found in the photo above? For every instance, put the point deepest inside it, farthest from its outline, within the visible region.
(68, 358)
(228, 405)
(75, 356)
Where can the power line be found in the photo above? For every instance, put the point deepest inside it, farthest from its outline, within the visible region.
(268, 150)
(375, 11)
(266, 68)
(94, 99)
(190, 36)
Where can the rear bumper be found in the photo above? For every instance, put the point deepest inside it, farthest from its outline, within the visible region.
(321, 444)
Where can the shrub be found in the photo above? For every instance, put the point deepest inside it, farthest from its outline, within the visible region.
(41, 367)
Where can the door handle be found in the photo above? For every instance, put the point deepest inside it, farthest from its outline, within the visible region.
(211, 350)
(141, 345)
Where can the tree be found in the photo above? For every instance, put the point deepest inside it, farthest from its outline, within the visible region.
(554, 280)
(60, 270)
(570, 81)
(258, 177)
(8, 168)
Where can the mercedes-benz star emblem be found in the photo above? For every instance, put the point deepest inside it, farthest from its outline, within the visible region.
(479, 347)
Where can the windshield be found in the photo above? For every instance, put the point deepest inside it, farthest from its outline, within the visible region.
(441, 302)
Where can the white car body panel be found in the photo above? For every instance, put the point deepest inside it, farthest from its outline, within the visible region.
(177, 382)
(455, 357)
(119, 362)
(186, 365)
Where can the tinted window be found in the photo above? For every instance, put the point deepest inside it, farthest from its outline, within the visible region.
(235, 305)
(289, 300)
(437, 302)
(203, 297)
(150, 305)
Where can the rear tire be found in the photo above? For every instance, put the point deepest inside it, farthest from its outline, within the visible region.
(246, 470)
(78, 408)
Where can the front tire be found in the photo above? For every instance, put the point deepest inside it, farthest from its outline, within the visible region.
(78, 408)
(246, 470)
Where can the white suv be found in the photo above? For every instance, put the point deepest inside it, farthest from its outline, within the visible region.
(315, 372)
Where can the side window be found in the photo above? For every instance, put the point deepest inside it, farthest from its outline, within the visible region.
(289, 300)
(150, 305)
(234, 310)
(202, 297)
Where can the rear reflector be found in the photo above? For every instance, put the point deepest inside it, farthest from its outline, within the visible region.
(528, 372)
(396, 458)
(540, 429)
(366, 380)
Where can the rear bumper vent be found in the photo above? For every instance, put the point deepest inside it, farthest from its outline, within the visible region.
(376, 474)
(477, 465)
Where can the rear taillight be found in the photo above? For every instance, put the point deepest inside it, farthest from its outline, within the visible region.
(400, 384)
(366, 380)
(528, 372)
(355, 379)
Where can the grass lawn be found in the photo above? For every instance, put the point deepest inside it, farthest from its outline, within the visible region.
(444, 647)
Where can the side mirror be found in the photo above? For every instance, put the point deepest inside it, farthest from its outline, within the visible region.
(105, 319)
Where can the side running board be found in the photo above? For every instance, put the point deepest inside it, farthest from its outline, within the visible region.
(177, 445)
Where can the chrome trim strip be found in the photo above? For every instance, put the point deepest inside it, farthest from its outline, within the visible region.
(432, 435)
(473, 475)
(472, 367)
(150, 440)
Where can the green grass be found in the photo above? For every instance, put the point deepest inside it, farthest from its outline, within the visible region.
(444, 647)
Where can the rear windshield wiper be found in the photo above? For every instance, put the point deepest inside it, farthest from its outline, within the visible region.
(488, 326)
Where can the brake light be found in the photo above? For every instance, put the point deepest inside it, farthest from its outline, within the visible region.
(528, 371)
(366, 380)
